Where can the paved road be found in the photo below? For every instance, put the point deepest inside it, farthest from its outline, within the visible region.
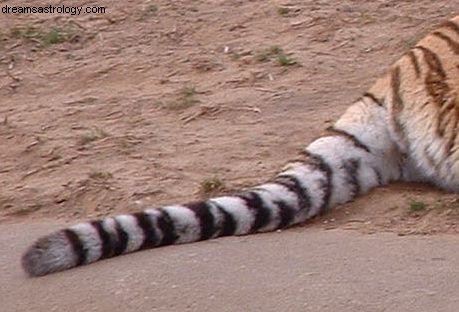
(296, 270)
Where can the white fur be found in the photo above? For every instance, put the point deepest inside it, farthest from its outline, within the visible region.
(310, 178)
(268, 199)
(135, 234)
(368, 123)
(272, 192)
(153, 214)
(330, 148)
(218, 218)
(239, 210)
(186, 224)
(90, 238)
(109, 226)
(367, 177)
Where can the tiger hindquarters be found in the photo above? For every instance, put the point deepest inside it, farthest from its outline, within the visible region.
(404, 128)
(332, 170)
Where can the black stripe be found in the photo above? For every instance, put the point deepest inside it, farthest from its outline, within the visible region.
(257, 206)
(401, 171)
(293, 185)
(318, 163)
(433, 61)
(372, 97)
(395, 85)
(107, 247)
(450, 42)
(397, 102)
(436, 85)
(206, 218)
(122, 239)
(77, 246)
(350, 137)
(452, 140)
(415, 63)
(378, 176)
(286, 213)
(228, 226)
(430, 159)
(167, 227)
(451, 25)
(351, 167)
(150, 237)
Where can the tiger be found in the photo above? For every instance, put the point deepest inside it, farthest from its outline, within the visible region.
(404, 128)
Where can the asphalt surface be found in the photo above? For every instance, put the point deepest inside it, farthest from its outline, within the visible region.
(296, 270)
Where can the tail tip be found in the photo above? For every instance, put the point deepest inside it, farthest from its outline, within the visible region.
(48, 254)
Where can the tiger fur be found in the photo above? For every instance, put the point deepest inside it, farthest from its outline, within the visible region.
(403, 129)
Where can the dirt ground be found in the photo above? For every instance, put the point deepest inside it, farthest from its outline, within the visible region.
(158, 102)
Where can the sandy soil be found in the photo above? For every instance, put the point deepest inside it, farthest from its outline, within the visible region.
(156, 102)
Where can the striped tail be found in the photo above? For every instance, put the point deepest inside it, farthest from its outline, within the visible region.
(334, 169)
